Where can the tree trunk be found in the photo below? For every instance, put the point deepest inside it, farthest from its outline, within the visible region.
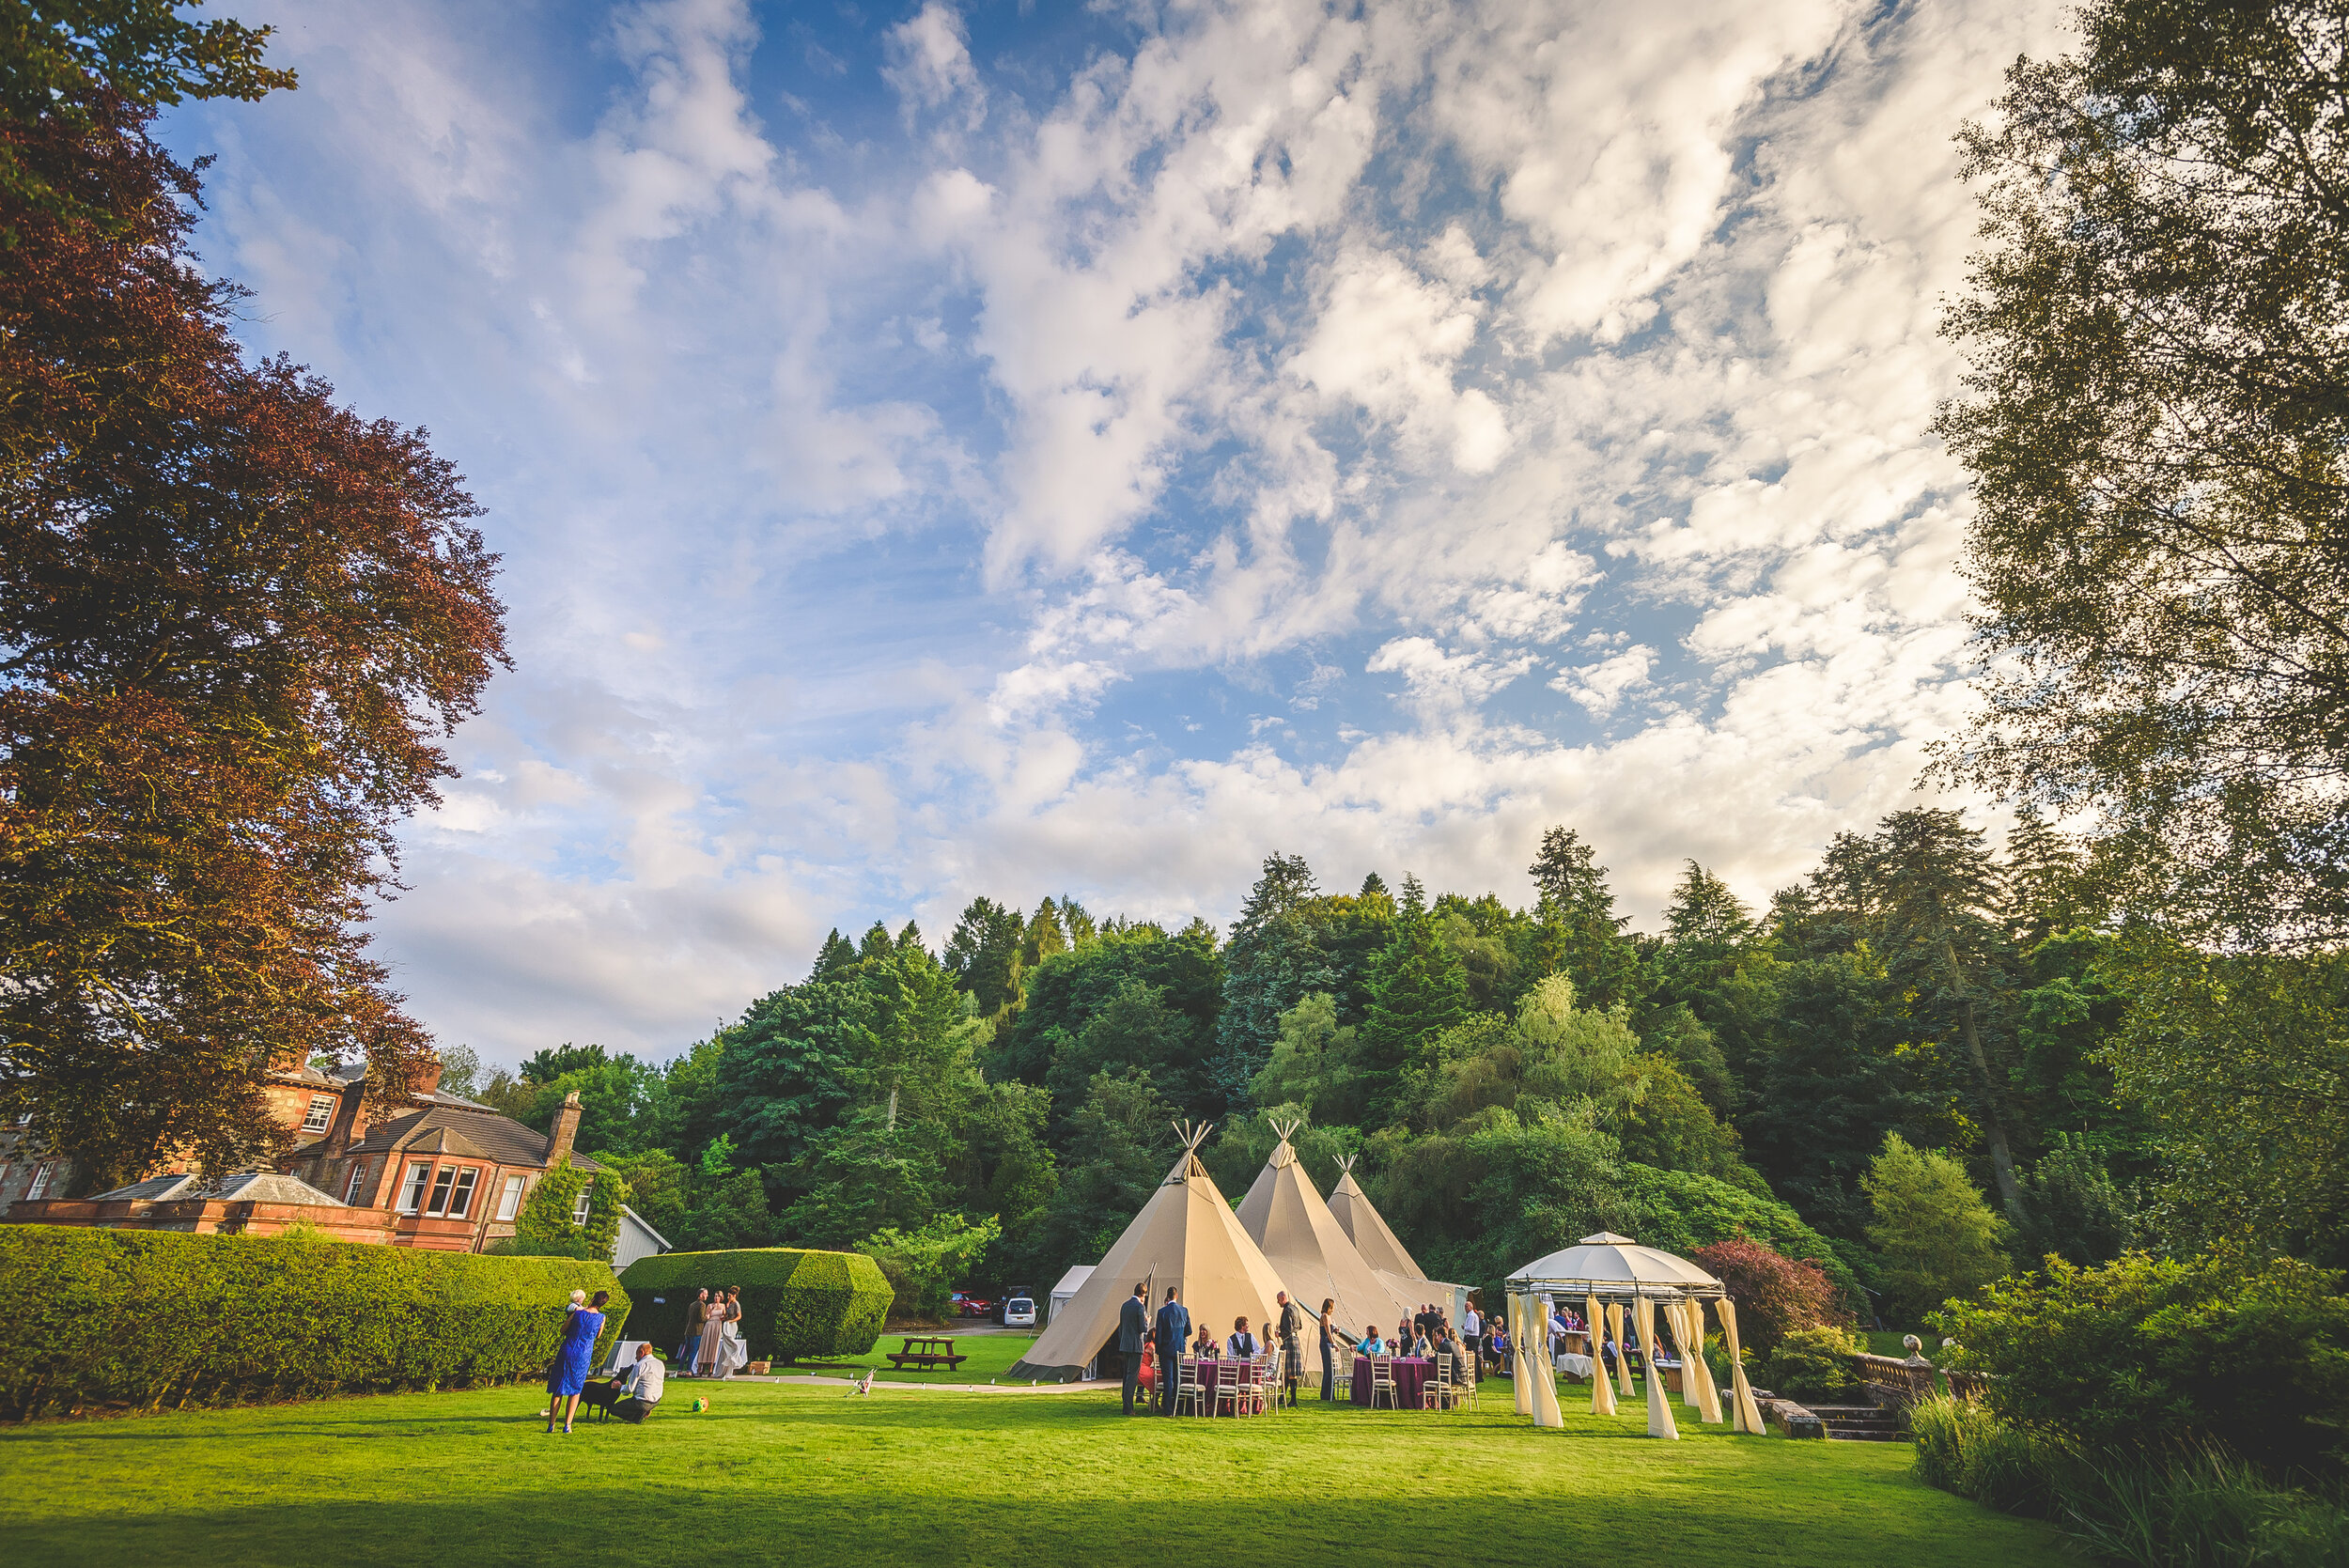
(2002, 1159)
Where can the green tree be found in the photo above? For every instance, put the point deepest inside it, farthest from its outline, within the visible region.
(1315, 1066)
(69, 63)
(1579, 935)
(1417, 989)
(1120, 1146)
(1934, 1236)
(2071, 1208)
(2158, 332)
(923, 1264)
(2241, 1063)
(983, 954)
(658, 1187)
(1273, 961)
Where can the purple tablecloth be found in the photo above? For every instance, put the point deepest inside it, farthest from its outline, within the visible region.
(1214, 1374)
(1410, 1379)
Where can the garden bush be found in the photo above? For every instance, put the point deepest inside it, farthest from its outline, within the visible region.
(142, 1319)
(2149, 1354)
(797, 1305)
(2193, 1504)
(1814, 1365)
(1775, 1295)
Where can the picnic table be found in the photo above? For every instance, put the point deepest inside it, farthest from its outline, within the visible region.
(926, 1351)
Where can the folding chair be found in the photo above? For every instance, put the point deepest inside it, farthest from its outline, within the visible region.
(1188, 1387)
(1383, 1382)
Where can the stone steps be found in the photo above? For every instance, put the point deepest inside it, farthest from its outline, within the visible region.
(1859, 1423)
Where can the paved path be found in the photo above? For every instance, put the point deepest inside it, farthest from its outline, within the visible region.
(883, 1383)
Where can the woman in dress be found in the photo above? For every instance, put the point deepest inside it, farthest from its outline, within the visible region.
(732, 1351)
(568, 1374)
(713, 1332)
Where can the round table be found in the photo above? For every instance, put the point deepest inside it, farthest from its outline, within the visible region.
(1410, 1379)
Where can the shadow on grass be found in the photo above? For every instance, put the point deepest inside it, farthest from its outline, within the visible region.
(964, 1478)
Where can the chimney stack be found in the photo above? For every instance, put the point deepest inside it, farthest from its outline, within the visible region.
(428, 1079)
(565, 1128)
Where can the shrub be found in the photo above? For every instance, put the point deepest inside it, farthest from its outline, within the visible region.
(1963, 1446)
(2195, 1504)
(1935, 1237)
(1814, 1364)
(146, 1318)
(921, 1265)
(545, 1228)
(2152, 1354)
(797, 1304)
(1775, 1295)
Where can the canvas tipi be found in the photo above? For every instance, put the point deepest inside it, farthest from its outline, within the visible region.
(1186, 1236)
(1311, 1251)
(1383, 1251)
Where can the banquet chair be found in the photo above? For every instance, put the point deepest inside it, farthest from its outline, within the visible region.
(1267, 1376)
(1188, 1387)
(1464, 1393)
(1382, 1381)
(1342, 1375)
(1435, 1393)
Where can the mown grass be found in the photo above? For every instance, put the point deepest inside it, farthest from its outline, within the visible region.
(986, 1356)
(931, 1476)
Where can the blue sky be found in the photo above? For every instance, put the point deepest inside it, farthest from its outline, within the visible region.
(1035, 450)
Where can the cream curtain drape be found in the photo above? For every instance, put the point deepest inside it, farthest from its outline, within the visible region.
(1602, 1391)
(1659, 1404)
(1623, 1362)
(1546, 1411)
(1696, 1376)
(1521, 1372)
(1749, 1414)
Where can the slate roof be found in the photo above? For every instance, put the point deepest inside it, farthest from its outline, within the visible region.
(255, 1186)
(464, 1133)
(345, 1073)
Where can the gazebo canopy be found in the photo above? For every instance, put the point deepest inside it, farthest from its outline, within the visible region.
(1608, 1264)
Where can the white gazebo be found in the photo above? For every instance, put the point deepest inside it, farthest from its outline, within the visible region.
(1618, 1280)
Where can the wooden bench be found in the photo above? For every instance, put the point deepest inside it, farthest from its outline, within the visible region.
(926, 1352)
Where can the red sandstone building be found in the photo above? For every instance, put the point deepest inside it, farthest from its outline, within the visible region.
(433, 1169)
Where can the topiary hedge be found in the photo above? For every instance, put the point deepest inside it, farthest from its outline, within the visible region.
(147, 1319)
(797, 1305)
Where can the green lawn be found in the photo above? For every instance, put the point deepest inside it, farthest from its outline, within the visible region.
(797, 1473)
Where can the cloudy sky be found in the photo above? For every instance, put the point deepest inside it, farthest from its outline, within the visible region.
(1033, 449)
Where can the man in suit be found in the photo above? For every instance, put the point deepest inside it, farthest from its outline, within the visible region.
(1288, 1326)
(1174, 1329)
(1133, 1339)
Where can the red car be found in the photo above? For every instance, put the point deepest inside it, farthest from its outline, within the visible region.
(968, 1305)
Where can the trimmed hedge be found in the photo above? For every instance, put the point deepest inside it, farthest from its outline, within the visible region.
(797, 1305)
(145, 1319)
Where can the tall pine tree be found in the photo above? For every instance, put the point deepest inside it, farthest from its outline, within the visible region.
(1273, 961)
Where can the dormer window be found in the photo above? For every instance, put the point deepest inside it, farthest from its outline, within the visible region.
(321, 1115)
(579, 1210)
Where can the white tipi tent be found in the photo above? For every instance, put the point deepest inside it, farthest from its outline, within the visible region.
(1383, 1251)
(1311, 1251)
(1187, 1236)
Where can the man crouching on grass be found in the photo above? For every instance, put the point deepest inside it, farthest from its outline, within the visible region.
(631, 1397)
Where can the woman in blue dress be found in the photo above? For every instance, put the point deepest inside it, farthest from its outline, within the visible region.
(568, 1374)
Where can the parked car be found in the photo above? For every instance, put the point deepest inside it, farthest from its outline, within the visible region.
(967, 1305)
(1018, 1311)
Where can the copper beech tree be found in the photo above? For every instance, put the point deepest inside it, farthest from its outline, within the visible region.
(234, 620)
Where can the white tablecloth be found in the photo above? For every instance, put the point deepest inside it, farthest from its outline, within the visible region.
(1569, 1362)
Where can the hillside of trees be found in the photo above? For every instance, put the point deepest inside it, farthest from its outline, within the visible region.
(1923, 1064)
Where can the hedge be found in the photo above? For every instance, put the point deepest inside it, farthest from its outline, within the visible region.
(145, 1319)
(797, 1305)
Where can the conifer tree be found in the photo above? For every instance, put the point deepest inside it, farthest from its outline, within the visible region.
(1577, 933)
(1273, 960)
(1417, 989)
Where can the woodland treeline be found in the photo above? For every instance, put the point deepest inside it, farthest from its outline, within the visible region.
(1923, 1064)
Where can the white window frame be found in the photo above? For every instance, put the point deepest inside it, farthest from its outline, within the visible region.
(320, 1115)
(461, 1196)
(412, 1187)
(510, 1196)
(358, 1177)
(579, 1209)
(443, 1180)
(38, 1185)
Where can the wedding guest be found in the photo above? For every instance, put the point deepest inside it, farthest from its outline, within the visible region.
(567, 1374)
